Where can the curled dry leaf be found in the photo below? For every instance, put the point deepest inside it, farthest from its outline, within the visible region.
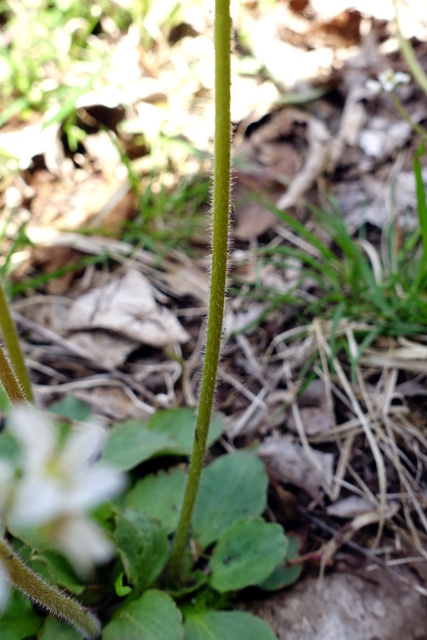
(187, 280)
(109, 322)
(127, 305)
(101, 347)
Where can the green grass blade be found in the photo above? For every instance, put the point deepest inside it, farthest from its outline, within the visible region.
(298, 227)
(422, 214)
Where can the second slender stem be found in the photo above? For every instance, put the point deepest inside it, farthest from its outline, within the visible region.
(9, 381)
(45, 594)
(11, 341)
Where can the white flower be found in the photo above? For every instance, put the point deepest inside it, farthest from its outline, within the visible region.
(59, 482)
(387, 81)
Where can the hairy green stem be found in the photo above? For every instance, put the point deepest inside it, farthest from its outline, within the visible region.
(220, 220)
(8, 380)
(33, 586)
(11, 340)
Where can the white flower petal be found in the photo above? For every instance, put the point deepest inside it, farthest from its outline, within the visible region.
(96, 485)
(37, 500)
(35, 432)
(402, 78)
(84, 543)
(389, 79)
(386, 79)
(373, 87)
(83, 446)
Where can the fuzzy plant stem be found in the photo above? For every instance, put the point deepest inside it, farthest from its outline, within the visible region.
(220, 221)
(33, 586)
(9, 381)
(11, 340)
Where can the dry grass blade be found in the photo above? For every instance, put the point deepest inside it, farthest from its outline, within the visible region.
(368, 427)
(382, 415)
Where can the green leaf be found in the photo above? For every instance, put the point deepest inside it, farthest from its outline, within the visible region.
(226, 625)
(5, 404)
(154, 616)
(19, 620)
(32, 537)
(160, 495)
(168, 432)
(69, 407)
(56, 630)
(197, 579)
(284, 575)
(104, 513)
(131, 443)
(246, 554)
(143, 546)
(121, 589)
(10, 449)
(232, 488)
(56, 569)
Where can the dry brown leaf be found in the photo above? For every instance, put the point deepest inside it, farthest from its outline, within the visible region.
(91, 199)
(187, 280)
(287, 461)
(102, 347)
(47, 261)
(127, 305)
(344, 28)
(109, 322)
(47, 318)
(253, 220)
(290, 148)
(112, 402)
